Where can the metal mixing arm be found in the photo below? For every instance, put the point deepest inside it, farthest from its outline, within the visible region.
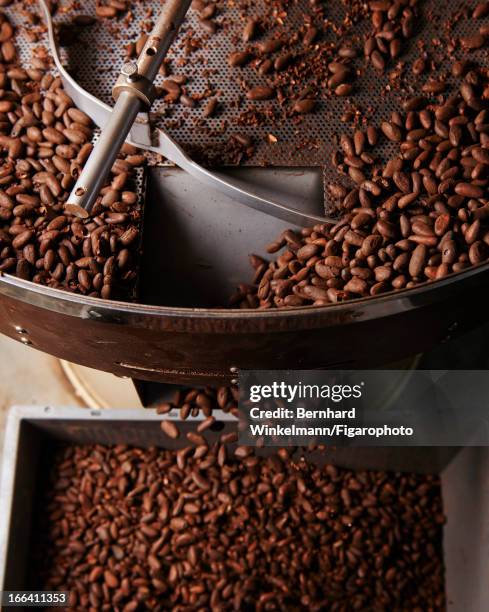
(137, 125)
(133, 92)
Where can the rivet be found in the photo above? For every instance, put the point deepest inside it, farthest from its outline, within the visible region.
(20, 330)
(130, 71)
(25, 341)
(234, 370)
(234, 381)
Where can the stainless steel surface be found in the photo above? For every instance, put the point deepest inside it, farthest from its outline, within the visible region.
(94, 174)
(465, 485)
(168, 24)
(202, 251)
(129, 102)
(247, 195)
(89, 183)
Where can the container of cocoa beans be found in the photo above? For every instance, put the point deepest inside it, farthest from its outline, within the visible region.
(100, 505)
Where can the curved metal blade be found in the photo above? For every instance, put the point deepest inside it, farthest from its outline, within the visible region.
(142, 137)
(171, 150)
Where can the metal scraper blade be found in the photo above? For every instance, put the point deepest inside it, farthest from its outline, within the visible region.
(160, 143)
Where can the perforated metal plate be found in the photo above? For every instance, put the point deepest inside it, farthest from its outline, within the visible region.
(28, 40)
(95, 53)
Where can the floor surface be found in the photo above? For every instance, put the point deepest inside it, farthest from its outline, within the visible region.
(29, 377)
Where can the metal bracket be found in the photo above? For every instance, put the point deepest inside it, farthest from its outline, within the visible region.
(131, 80)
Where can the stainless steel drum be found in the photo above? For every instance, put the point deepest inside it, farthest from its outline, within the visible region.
(196, 241)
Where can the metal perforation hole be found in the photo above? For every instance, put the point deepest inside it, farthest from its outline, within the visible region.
(96, 60)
